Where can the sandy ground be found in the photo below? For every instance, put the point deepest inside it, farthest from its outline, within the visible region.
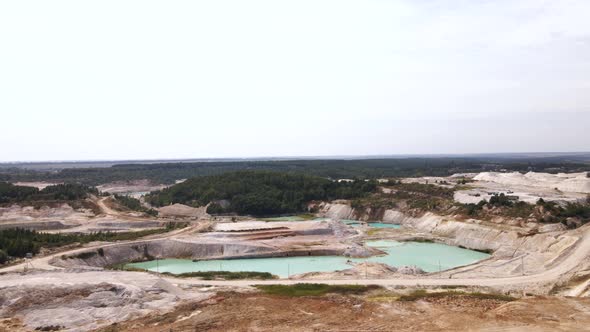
(377, 312)
(180, 210)
(64, 219)
(528, 187)
(483, 190)
(62, 216)
(571, 182)
(130, 187)
(82, 301)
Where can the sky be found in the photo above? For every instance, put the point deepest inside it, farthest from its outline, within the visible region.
(107, 80)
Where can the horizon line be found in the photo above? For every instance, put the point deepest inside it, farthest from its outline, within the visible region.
(301, 157)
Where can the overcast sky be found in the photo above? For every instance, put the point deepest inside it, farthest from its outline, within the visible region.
(197, 79)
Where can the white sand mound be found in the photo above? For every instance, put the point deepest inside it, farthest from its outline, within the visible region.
(182, 210)
(122, 187)
(38, 185)
(572, 182)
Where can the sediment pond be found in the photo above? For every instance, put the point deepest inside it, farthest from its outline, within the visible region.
(350, 222)
(356, 223)
(431, 257)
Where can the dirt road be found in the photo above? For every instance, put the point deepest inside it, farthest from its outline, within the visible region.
(105, 208)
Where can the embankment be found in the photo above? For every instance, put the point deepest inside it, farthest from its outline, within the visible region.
(505, 242)
(174, 248)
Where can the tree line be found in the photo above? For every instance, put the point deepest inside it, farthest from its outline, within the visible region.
(168, 173)
(134, 204)
(10, 193)
(259, 193)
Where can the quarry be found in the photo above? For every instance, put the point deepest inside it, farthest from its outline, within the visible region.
(177, 272)
(295, 166)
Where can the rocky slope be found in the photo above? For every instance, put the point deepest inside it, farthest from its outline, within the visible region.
(512, 246)
(86, 300)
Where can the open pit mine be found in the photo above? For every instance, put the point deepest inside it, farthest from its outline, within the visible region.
(471, 251)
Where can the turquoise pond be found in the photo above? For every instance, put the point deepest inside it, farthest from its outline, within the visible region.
(383, 225)
(286, 218)
(356, 223)
(428, 256)
(350, 222)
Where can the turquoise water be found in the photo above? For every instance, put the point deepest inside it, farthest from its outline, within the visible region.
(350, 222)
(356, 223)
(383, 225)
(291, 218)
(427, 256)
(287, 218)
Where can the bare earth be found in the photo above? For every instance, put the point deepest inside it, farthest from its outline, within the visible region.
(257, 312)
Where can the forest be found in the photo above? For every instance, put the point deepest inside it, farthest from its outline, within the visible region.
(168, 173)
(134, 204)
(259, 193)
(10, 193)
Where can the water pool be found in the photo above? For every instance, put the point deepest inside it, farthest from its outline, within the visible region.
(383, 225)
(428, 256)
(286, 218)
(350, 222)
(356, 223)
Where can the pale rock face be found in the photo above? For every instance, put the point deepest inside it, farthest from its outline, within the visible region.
(89, 300)
(412, 269)
(506, 244)
(337, 211)
(571, 182)
(358, 251)
(183, 211)
(559, 227)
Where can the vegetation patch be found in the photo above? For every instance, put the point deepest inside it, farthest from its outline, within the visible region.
(168, 173)
(485, 251)
(82, 255)
(570, 214)
(417, 197)
(135, 205)
(10, 193)
(579, 212)
(205, 275)
(420, 294)
(126, 267)
(226, 275)
(374, 231)
(421, 240)
(259, 193)
(315, 289)
(406, 189)
(299, 217)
